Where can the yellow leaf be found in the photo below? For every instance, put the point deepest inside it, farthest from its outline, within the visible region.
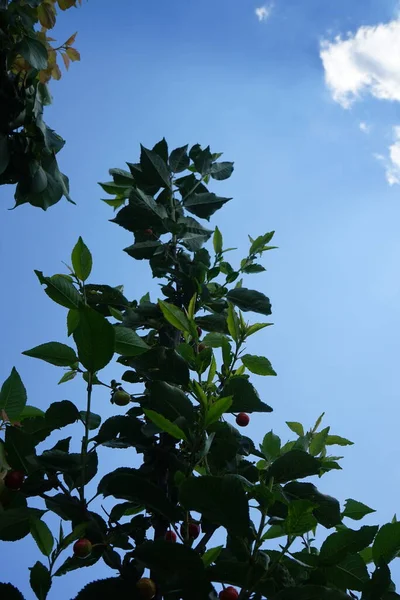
(65, 4)
(73, 54)
(55, 72)
(71, 39)
(52, 56)
(65, 58)
(47, 15)
(45, 75)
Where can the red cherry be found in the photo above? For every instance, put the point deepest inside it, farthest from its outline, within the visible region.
(170, 536)
(193, 530)
(14, 480)
(228, 593)
(82, 548)
(242, 419)
(148, 231)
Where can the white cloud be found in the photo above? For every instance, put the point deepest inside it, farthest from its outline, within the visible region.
(393, 163)
(365, 62)
(364, 127)
(264, 12)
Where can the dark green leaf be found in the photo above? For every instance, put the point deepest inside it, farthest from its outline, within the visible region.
(351, 573)
(258, 364)
(95, 340)
(214, 340)
(258, 244)
(20, 449)
(42, 536)
(217, 409)
(295, 464)
(128, 343)
(347, 541)
(169, 401)
(175, 316)
(154, 168)
(129, 484)
(8, 591)
(73, 562)
(249, 300)
(40, 580)
(327, 511)
(387, 543)
(14, 524)
(194, 234)
(81, 260)
(13, 395)
(221, 500)
(61, 414)
(93, 419)
(4, 153)
(33, 51)
(311, 592)
(143, 250)
(179, 159)
(205, 204)
(221, 170)
(60, 290)
(245, 396)
(54, 353)
(67, 508)
(336, 440)
(356, 510)
(214, 322)
(300, 518)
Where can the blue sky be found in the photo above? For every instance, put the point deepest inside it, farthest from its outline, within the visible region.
(260, 91)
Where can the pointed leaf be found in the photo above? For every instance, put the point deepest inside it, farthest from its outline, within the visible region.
(40, 580)
(175, 316)
(13, 395)
(258, 364)
(221, 170)
(81, 260)
(165, 424)
(54, 353)
(387, 543)
(356, 510)
(247, 300)
(95, 339)
(60, 290)
(295, 464)
(42, 536)
(217, 409)
(179, 159)
(128, 343)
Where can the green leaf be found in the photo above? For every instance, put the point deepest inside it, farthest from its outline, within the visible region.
(154, 167)
(214, 322)
(351, 573)
(40, 580)
(347, 541)
(13, 395)
(318, 441)
(165, 425)
(271, 446)
(296, 427)
(33, 51)
(214, 340)
(128, 343)
(30, 412)
(387, 543)
(221, 170)
(68, 376)
(175, 316)
(211, 555)
(93, 419)
(179, 159)
(336, 440)
(95, 340)
(245, 396)
(233, 323)
(356, 510)
(81, 260)
(170, 401)
(256, 327)
(221, 500)
(130, 484)
(300, 518)
(15, 524)
(205, 204)
(247, 300)
(60, 290)
(217, 241)
(19, 449)
(42, 536)
(258, 364)
(379, 584)
(261, 241)
(217, 409)
(327, 511)
(54, 353)
(295, 464)
(9, 592)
